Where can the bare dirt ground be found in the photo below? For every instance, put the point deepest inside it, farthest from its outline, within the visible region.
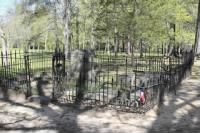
(179, 114)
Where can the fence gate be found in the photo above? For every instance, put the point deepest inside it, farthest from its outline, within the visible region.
(58, 69)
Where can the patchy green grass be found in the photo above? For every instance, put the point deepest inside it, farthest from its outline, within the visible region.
(17, 60)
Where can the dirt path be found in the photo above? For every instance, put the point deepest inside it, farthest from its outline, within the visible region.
(179, 114)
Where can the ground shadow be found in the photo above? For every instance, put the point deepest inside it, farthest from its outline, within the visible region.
(181, 112)
(62, 118)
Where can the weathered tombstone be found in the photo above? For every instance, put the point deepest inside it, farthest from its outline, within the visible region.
(123, 97)
(81, 60)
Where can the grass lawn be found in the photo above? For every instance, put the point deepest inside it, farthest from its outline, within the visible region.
(40, 60)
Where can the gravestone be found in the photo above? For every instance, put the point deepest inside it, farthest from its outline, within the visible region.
(81, 66)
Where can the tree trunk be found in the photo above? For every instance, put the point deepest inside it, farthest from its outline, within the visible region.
(77, 29)
(116, 42)
(4, 46)
(84, 36)
(197, 37)
(66, 20)
(141, 48)
(38, 46)
(92, 40)
(55, 26)
(46, 39)
(107, 47)
(129, 48)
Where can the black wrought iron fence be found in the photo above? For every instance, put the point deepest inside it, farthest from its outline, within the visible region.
(121, 82)
(19, 70)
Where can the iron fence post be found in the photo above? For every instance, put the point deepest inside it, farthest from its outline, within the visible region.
(27, 71)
